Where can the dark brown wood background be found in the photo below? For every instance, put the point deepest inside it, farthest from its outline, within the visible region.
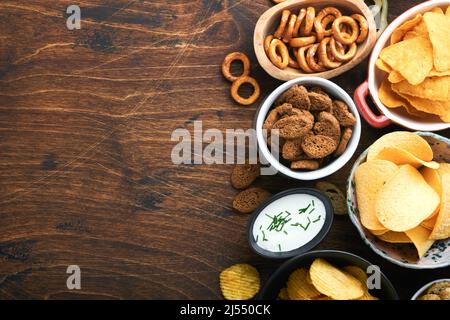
(86, 177)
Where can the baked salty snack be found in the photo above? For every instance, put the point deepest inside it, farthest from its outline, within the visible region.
(312, 127)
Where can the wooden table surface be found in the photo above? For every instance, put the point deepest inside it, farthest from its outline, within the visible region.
(86, 176)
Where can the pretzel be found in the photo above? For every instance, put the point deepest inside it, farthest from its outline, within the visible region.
(226, 64)
(298, 22)
(267, 40)
(290, 28)
(338, 34)
(310, 59)
(236, 85)
(302, 41)
(306, 28)
(318, 25)
(293, 62)
(363, 27)
(340, 55)
(284, 20)
(282, 60)
(323, 55)
(302, 60)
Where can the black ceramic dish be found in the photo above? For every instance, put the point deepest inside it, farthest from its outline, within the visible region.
(308, 246)
(338, 258)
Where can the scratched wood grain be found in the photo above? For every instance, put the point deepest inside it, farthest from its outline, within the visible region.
(86, 118)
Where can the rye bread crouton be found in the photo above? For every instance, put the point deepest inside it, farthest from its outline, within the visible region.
(243, 175)
(250, 199)
(318, 146)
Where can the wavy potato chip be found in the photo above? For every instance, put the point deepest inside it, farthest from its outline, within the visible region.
(370, 178)
(405, 200)
(420, 238)
(334, 283)
(412, 58)
(438, 26)
(400, 32)
(394, 237)
(239, 282)
(299, 288)
(359, 274)
(441, 229)
(401, 157)
(408, 141)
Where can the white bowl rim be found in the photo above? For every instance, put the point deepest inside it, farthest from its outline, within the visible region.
(337, 163)
(426, 286)
(360, 230)
(379, 45)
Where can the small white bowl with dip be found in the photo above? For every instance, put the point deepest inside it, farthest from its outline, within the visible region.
(335, 92)
(290, 223)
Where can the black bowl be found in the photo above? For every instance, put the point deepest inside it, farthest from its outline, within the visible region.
(338, 258)
(308, 246)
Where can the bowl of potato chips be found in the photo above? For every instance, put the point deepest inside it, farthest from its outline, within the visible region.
(328, 275)
(398, 197)
(409, 71)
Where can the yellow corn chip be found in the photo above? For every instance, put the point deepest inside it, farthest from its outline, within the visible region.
(395, 77)
(439, 108)
(438, 26)
(436, 88)
(412, 58)
(420, 237)
(405, 200)
(370, 178)
(383, 65)
(400, 32)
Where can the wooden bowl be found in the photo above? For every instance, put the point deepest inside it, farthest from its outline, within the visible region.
(269, 20)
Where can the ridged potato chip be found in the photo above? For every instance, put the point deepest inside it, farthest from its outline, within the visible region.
(298, 287)
(405, 200)
(283, 295)
(438, 26)
(408, 141)
(394, 237)
(401, 157)
(403, 57)
(359, 274)
(441, 229)
(333, 282)
(239, 282)
(420, 237)
(370, 177)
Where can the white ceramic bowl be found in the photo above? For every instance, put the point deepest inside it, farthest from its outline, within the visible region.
(376, 77)
(404, 255)
(422, 290)
(335, 92)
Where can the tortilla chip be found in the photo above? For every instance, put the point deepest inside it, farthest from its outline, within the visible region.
(439, 108)
(418, 31)
(388, 97)
(436, 88)
(420, 237)
(400, 32)
(395, 77)
(438, 27)
(383, 65)
(435, 73)
(441, 229)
